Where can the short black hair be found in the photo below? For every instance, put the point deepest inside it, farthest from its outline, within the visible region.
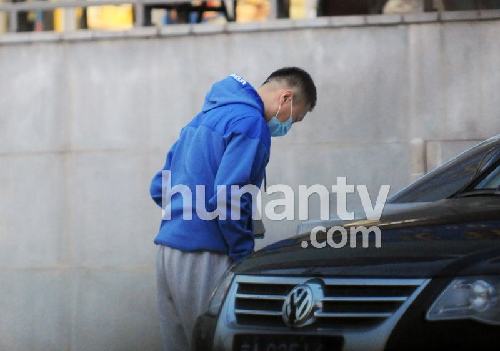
(296, 77)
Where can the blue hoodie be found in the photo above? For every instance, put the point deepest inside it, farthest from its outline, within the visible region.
(227, 143)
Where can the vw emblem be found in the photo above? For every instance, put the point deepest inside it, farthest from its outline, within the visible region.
(298, 308)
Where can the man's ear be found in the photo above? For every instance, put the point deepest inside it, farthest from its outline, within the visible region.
(287, 95)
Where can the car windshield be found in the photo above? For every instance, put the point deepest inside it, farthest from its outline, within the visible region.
(450, 178)
(491, 181)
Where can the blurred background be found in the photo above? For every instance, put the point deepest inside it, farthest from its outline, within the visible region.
(93, 93)
(64, 15)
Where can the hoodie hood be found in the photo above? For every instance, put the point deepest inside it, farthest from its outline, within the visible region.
(232, 90)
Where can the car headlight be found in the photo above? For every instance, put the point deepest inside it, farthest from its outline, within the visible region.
(219, 293)
(469, 298)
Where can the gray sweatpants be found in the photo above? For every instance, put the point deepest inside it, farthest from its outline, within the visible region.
(185, 281)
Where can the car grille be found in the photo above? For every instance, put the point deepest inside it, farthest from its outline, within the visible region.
(346, 303)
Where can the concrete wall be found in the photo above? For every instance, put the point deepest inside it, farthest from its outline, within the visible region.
(85, 122)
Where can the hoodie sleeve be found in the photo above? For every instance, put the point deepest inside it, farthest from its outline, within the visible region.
(243, 163)
(155, 188)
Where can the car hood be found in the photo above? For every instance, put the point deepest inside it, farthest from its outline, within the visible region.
(445, 238)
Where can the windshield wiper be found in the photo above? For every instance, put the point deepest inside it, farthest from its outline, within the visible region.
(480, 192)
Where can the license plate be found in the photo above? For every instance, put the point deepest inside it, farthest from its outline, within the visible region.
(286, 343)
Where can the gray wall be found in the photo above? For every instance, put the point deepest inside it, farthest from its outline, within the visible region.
(84, 124)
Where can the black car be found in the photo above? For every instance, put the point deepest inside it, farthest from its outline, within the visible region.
(433, 284)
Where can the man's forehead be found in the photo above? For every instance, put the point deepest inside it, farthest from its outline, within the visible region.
(301, 103)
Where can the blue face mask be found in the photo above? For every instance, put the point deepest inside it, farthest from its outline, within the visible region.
(278, 128)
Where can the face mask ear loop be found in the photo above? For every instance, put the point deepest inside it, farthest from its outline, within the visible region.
(291, 108)
(279, 108)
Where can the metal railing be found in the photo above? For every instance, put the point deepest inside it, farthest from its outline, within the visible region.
(228, 7)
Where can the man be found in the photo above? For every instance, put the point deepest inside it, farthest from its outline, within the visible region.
(226, 144)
